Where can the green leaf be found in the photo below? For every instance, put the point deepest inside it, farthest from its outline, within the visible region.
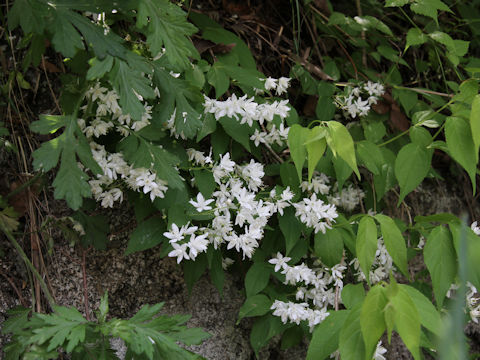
(96, 229)
(415, 37)
(342, 171)
(288, 175)
(48, 124)
(372, 320)
(205, 182)
(208, 127)
(341, 143)
(315, 148)
(370, 22)
(326, 335)
(148, 234)
(407, 321)
(29, 14)
(475, 123)
(264, 329)
(443, 39)
(429, 316)
(255, 305)
(461, 146)
(411, 167)
(291, 228)
(238, 132)
(218, 79)
(66, 38)
(367, 243)
(98, 68)
(351, 342)
(127, 82)
(440, 259)
(71, 182)
(257, 278)
(297, 137)
(429, 8)
(394, 242)
(329, 246)
(370, 156)
(352, 295)
(166, 26)
(217, 273)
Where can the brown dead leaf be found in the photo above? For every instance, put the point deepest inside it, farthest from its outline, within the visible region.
(234, 7)
(310, 106)
(49, 67)
(203, 45)
(381, 107)
(398, 120)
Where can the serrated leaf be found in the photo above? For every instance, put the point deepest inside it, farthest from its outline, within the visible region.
(367, 243)
(297, 137)
(429, 8)
(326, 335)
(341, 143)
(98, 68)
(257, 278)
(66, 38)
(148, 234)
(372, 320)
(440, 259)
(443, 39)
(411, 167)
(127, 82)
(29, 15)
(461, 146)
(48, 124)
(394, 242)
(166, 26)
(329, 246)
(415, 37)
(255, 305)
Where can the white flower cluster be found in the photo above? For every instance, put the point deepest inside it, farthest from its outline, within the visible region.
(317, 286)
(246, 111)
(348, 198)
(114, 168)
(316, 213)
(351, 101)
(381, 267)
(272, 136)
(472, 298)
(475, 228)
(237, 192)
(279, 85)
(108, 114)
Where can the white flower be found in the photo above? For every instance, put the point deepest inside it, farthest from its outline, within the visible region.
(283, 84)
(197, 245)
(379, 351)
(280, 262)
(175, 234)
(201, 204)
(270, 83)
(180, 251)
(475, 228)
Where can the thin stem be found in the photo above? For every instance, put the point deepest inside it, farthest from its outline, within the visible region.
(27, 261)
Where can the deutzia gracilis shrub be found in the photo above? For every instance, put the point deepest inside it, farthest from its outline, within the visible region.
(286, 181)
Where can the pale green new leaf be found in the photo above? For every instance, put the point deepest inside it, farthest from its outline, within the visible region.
(341, 143)
(394, 242)
(352, 295)
(316, 146)
(372, 321)
(366, 245)
(297, 137)
(440, 259)
(429, 316)
(407, 321)
(351, 342)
